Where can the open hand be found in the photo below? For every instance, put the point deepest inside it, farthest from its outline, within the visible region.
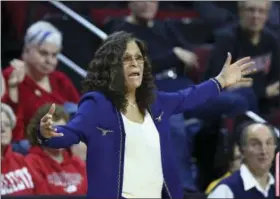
(46, 125)
(234, 73)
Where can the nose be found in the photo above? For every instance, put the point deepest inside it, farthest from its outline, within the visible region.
(264, 149)
(134, 62)
(256, 13)
(50, 60)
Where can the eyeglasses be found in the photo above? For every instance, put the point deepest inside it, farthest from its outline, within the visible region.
(129, 59)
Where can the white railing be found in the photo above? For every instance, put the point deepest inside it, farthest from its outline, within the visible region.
(95, 30)
(102, 35)
(79, 70)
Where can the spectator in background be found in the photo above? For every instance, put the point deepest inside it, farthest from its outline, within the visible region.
(33, 81)
(15, 176)
(55, 171)
(234, 159)
(167, 49)
(253, 180)
(221, 13)
(251, 38)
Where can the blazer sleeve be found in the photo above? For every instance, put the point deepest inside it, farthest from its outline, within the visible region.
(76, 130)
(188, 99)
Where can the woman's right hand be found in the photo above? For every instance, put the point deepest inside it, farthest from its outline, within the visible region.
(46, 125)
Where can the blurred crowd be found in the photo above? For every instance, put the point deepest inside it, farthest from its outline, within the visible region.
(212, 143)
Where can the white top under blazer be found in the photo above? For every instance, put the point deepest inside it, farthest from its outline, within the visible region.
(143, 175)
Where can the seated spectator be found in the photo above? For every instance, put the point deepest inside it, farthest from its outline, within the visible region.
(221, 13)
(251, 38)
(253, 179)
(15, 175)
(33, 81)
(55, 171)
(233, 164)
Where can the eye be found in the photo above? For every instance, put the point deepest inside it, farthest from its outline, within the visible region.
(127, 58)
(43, 53)
(139, 58)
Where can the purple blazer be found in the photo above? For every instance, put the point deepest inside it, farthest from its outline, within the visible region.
(99, 124)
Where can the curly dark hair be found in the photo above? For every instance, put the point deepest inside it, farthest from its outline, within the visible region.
(31, 129)
(105, 73)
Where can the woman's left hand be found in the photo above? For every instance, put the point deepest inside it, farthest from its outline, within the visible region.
(234, 73)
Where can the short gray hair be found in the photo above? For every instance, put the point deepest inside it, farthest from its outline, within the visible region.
(243, 131)
(9, 111)
(41, 32)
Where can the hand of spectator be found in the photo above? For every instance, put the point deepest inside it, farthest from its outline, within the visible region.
(187, 57)
(272, 90)
(241, 85)
(16, 78)
(46, 125)
(18, 73)
(234, 73)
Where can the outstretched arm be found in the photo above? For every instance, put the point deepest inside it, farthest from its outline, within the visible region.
(73, 132)
(188, 99)
(194, 96)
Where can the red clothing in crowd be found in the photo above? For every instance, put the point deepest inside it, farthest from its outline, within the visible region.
(16, 178)
(51, 177)
(32, 97)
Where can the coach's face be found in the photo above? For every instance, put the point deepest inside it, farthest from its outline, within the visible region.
(133, 64)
